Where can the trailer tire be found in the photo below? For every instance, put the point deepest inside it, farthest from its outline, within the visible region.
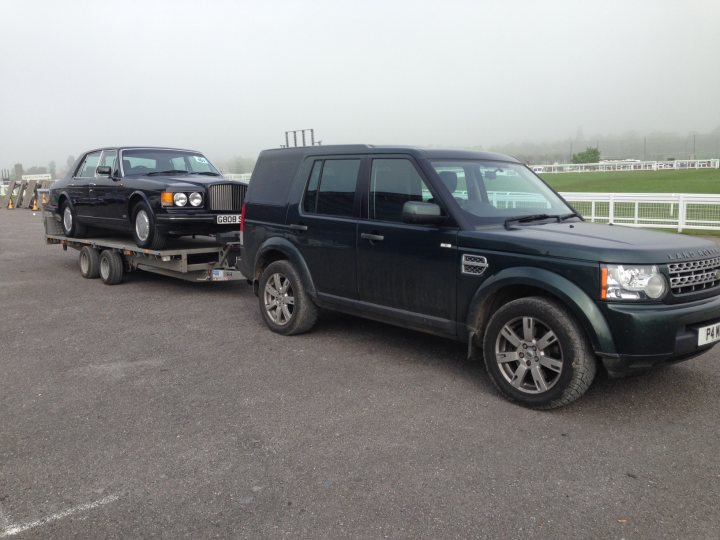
(89, 262)
(111, 267)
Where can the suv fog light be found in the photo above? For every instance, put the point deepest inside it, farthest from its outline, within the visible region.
(180, 199)
(195, 199)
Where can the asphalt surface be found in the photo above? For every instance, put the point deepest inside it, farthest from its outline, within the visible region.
(161, 408)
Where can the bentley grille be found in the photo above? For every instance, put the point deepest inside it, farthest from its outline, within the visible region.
(227, 197)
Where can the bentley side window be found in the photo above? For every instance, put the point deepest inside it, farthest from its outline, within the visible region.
(87, 170)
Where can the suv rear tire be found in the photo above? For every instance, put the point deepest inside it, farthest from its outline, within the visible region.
(537, 355)
(285, 305)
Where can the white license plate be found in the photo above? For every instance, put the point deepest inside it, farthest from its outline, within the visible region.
(709, 334)
(226, 219)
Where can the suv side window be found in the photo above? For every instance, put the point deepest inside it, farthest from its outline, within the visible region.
(393, 182)
(87, 170)
(331, 188)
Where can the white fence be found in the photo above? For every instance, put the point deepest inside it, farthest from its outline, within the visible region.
(655, 210)
(628, 166)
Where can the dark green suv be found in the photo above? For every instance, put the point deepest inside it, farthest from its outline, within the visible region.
(474, 246)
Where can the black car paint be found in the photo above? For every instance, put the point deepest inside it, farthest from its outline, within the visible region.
(106, 201)
(409, 280)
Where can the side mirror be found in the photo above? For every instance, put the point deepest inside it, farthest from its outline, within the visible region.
(103, 170)
(422, 213)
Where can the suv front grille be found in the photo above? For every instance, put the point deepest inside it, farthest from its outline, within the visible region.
(227, 197)
(693, 276)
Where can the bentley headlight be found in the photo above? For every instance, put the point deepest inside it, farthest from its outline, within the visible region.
(180, 199)
(195, 199)
(626, 282)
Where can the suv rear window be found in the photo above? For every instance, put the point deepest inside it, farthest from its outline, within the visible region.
(270, 181)
(331, 188)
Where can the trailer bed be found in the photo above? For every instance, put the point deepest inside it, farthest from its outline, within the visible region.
(191, 259)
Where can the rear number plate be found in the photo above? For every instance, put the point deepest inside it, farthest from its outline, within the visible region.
(709, 334)
(228, 219)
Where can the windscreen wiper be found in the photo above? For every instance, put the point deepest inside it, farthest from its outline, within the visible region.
(529, 218)
(173, 171)
(568, 216)
(207, 173)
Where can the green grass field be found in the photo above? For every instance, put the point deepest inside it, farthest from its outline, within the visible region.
(687, 181)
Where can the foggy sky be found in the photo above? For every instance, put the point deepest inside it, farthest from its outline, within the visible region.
(229, 77)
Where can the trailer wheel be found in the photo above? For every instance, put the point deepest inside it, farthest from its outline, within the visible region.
(89, 262)
(111, 267)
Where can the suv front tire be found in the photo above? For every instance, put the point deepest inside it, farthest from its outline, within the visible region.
(537, 355)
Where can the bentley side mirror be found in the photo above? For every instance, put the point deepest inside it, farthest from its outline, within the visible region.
(103, 170)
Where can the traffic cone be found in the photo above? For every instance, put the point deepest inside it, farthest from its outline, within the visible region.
(10, 203)
(34, 207)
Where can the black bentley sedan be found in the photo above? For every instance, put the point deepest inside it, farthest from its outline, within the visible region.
(153, 193)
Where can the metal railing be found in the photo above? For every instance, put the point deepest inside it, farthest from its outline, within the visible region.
(631, 165)
(678, 211)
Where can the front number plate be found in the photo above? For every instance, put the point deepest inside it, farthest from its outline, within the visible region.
(226, 219)
(709, 334)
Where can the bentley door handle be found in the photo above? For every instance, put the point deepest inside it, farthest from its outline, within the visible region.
(372, 237)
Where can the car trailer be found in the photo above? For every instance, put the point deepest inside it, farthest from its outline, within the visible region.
(111, 258)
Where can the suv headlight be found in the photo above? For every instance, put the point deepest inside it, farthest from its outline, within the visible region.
(630, 282)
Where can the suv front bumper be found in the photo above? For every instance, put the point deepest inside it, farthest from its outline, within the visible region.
(647, 335)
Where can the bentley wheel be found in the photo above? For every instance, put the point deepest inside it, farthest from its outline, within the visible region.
(70, 224)
(145, 229)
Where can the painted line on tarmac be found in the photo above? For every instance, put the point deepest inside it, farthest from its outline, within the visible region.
(11, 530)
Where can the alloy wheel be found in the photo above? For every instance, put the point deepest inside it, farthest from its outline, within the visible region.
(529, 355)
(67, 219)
(279, 299)
(142, 225)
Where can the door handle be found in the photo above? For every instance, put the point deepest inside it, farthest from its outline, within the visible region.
(372, 237)
(298, 227)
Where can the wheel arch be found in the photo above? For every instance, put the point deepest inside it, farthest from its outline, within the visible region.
(133, 200)
(63, 197)
(521, 282)
(275, 249)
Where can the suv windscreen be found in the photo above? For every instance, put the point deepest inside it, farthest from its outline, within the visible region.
(149, 161)
(492, 191)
